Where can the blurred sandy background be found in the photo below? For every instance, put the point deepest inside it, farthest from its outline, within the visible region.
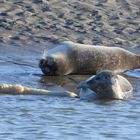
(98, 22)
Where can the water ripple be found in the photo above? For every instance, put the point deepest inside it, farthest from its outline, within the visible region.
(38, 117)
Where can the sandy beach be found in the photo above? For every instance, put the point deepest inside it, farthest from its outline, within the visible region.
(98, 22)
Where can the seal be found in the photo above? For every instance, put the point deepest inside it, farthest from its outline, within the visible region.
(19, 89)
(105, 85)
(73, 58)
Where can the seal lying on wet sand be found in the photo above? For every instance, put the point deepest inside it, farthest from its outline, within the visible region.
(105, 85)
(73, 58)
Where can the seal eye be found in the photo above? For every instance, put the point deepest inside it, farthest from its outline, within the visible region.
(106, 77)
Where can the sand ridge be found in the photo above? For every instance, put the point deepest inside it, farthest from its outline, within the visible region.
(102, 22)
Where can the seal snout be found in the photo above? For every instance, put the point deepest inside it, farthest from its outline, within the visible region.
(43, 66)
(48, 66)
(42, 63)
(83, 85)
(85, 92)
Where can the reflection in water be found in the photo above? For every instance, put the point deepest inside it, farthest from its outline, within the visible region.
(66, 82)
(133, 73)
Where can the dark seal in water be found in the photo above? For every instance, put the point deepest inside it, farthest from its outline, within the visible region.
(105, 85)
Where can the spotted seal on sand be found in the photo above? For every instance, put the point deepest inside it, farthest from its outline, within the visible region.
(73, 58)
(105, 85)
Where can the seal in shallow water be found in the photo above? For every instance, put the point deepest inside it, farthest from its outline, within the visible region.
(105, 85)
(74, 58)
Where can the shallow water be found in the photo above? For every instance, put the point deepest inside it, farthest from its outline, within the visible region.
(42, 117)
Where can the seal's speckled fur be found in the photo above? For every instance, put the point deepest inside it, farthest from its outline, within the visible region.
(74, 58)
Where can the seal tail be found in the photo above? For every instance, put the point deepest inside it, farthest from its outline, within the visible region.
(23, 90)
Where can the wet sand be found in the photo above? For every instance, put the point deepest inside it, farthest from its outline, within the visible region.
(102, 22)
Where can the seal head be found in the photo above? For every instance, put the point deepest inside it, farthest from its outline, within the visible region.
(106, 85)
(48, 66)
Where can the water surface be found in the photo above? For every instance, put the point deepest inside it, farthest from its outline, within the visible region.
(52, 118)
